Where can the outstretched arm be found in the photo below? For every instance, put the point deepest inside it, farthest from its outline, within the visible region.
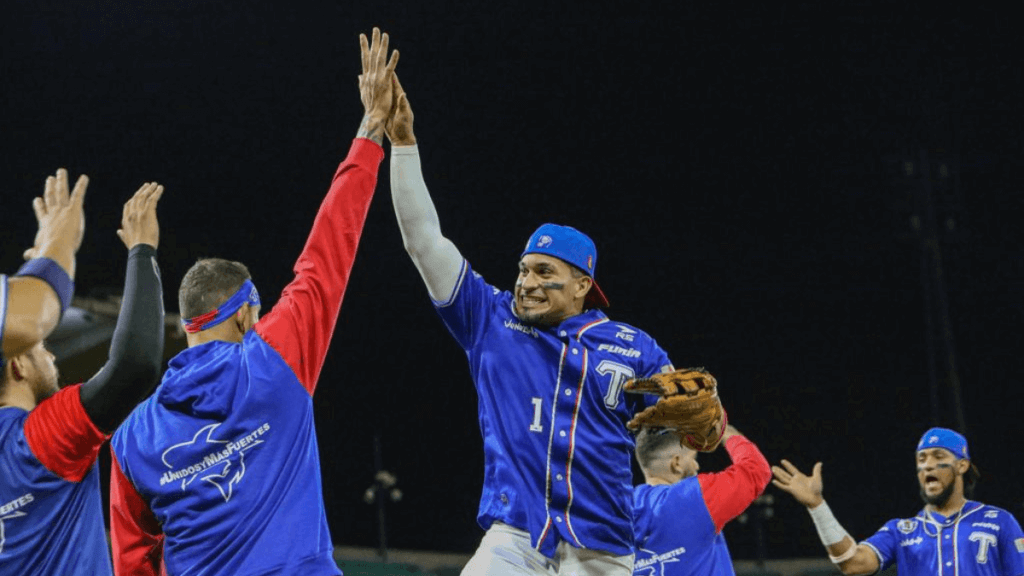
(850, 557)
(31, 302)
(728, 493)
(436, 257)
(301, 323)
(133, 366)
(66, 431)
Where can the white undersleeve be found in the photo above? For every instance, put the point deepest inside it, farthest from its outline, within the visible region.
(437, 259)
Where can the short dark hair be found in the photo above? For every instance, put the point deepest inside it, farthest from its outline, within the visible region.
(208, 284)
(971, 478)
(651, 442)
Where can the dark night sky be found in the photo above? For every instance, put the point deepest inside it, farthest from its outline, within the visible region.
(741, 172)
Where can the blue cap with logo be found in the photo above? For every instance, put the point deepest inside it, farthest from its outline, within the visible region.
(945, 438)
(570, 245)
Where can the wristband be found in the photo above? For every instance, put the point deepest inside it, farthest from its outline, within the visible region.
(50, 272)
(850, 553)
(828, 527)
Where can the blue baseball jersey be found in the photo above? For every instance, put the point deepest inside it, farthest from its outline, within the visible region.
(675, 533)
(679, 526)
(51, 509)
(218, 472)
(980, 540)
(553, 415)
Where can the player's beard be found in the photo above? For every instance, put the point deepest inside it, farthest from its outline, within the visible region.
(940, 499)
(542, 319)
(535, 319)
(46, 386)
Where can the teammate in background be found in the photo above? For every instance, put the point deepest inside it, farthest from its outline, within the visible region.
(51, 510)
(32, 302)
(549, 368)
(680, 514)
(218, 472)
(951, 536)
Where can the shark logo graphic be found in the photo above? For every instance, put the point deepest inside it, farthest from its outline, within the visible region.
(224, 467)
(3, 534)
(218, 479)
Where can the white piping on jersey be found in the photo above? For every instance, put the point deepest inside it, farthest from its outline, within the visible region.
(881, 561)
(458, 285)
(956, 553)
(927, 520)
(572, 447)
(551, 440)
(589, 326)
(551, 436)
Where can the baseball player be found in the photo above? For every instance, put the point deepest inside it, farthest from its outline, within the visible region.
(951, 536)
(680, 514)
(51, 515)
(218, 471)
(33, 300)
(549, 368)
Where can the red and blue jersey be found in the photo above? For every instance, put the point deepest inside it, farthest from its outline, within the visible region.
(51, 510)
(218, 471)
(679, 526)
(553, 416)
(979, 540)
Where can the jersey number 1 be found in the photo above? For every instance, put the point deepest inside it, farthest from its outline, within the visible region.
(537, 403)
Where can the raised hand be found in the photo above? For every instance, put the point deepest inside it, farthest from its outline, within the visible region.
(138, 220)
(399, 124)
(806, 489)
(376, 84)
(61, 220)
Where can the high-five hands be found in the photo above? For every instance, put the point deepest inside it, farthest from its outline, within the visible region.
(138, 220)
(61, 220)
(806, 489)
(376, 84)
(399, 124)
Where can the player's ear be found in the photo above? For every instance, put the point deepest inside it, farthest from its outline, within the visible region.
(583, 284)
(16, 365)
(675, 465)
(241, 318)
(963, 465)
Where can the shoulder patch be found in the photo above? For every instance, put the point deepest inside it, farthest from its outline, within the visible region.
(1019, 543)
(906, 526)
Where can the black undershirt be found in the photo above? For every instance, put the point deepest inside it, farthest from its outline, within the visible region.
(136, 349)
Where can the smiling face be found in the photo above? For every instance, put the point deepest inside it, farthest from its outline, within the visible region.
(940, 475)
(548, 290)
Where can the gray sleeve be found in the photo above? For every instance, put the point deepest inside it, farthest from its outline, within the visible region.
(437, 259)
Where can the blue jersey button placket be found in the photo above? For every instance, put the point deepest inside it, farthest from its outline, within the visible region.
(949, 559)
(570, 376)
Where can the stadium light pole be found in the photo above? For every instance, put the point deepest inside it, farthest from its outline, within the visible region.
(936, 302)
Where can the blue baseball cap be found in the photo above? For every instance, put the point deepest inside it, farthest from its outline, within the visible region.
(945, 438)
(569, 245)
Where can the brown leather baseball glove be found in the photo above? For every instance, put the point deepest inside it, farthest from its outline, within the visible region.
(689, 404)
